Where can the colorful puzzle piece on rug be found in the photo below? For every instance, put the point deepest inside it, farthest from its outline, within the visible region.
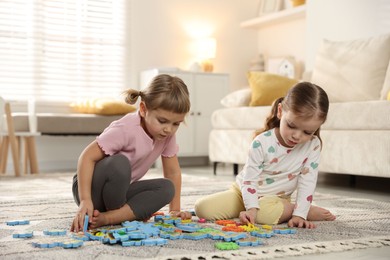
(159, 232)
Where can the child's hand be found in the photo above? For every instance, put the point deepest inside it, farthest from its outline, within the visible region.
(248, 216)
(181, 214)
(299, 222)
(85, 208)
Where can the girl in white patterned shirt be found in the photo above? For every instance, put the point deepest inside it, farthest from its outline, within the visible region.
(283, 158)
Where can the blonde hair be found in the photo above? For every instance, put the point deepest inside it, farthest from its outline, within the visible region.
(165, 92)
(304, 99)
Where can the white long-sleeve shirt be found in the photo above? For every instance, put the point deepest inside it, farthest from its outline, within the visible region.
(272, 169)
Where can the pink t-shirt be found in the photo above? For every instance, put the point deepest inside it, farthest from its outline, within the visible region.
(127, 136)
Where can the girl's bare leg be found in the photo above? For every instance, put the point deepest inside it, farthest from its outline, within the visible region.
(111, 217)
(320, 214)
(315, 213)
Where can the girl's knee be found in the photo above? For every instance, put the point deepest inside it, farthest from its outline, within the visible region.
(272, 210)
(204, 209)
(117, 164)
(167, 190)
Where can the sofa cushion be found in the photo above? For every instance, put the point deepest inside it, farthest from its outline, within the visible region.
(267, 87)
(238, 98)
(352, 70)
(362, 115)
(65, 124)
(249, 118)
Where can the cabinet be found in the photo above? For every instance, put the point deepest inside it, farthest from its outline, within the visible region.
(206, 91)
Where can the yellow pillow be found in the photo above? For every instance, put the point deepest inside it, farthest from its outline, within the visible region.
(103, 106)
(388, 96)
(267, 87)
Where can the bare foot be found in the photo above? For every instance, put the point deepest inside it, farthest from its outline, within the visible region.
(98, 219)
(320, 214)
(111, 217)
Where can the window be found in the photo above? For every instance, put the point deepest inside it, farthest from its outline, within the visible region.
(61, 50)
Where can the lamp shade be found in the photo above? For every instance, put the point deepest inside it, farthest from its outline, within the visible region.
(206, 48)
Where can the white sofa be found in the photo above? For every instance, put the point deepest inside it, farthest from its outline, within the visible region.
(356, 135)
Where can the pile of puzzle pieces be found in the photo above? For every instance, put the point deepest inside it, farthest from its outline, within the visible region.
(230, 236)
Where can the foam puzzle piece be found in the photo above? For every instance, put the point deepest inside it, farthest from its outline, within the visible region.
(132, 243)
(249, 241)
(172, 235)
(233, 236)
(195, 236)
(190, 227)
(262, 233)
(225, 222)
(130, 225)
(202, 220)
(249, 227)
(71, 243)
(109, 238)
(44, 243)
(95, 235)
(267, 227)
(166, 227)
(167, 219)
(117, 236)
(80, 236)
(154, 241)
(213, 233)
(226, 246)
(217, 235)
(137, 234)
(17, 222)
(149, 229)
(23, 234)
(119, 230)
(285, 231)
(55, 232)
(233, 228)
(86, 219)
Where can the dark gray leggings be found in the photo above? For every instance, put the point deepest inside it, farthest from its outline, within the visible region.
(111, 188)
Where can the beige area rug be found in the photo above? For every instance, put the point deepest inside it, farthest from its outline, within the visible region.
(46, 201)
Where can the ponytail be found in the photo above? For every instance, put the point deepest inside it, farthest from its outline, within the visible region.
(272, 120)
(132, 96)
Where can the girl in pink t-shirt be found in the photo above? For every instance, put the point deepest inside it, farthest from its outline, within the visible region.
(108, 185)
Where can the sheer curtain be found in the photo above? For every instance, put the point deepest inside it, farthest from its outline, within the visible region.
(61, 50)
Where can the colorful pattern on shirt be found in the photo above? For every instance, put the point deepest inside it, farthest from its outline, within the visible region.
(272, 169)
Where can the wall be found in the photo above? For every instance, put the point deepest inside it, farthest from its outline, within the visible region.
(283, 39)
(160, 38)
(341, 20)
(331, 19)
